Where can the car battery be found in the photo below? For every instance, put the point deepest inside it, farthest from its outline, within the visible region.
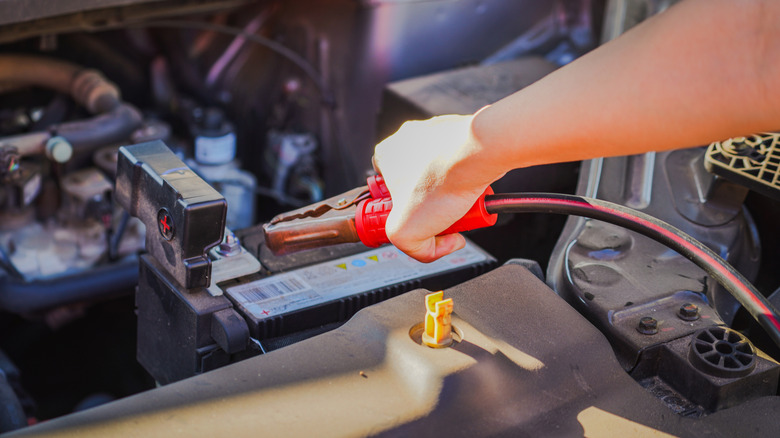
(329, 285)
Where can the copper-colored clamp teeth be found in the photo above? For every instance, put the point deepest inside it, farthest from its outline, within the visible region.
(325, 223)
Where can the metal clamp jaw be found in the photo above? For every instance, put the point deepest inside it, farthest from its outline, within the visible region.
(184, 215)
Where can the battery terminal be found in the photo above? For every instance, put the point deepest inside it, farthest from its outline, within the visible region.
(438, 321)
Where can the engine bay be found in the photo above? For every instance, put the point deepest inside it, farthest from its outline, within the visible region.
(148, 147)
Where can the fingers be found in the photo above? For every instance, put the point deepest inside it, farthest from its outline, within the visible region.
(434, 248)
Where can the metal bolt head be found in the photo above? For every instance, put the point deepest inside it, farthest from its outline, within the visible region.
(647, 325)
(688, 312)
(230, 245)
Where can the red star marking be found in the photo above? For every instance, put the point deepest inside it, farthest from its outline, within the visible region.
(164, 223)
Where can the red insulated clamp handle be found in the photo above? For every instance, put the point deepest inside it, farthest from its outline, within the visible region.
(377, 187)
(371, 216)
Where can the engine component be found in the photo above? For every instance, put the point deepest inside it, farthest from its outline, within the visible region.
(83, 285)
(527, 364)
(21, 184)
(607, 272)
(51, 264)
(712, 369)
(215, 162)
(752, 161)
(290, 158)
(114, 120)
(215, 139)
(726, 275)
(187, 214)
(9, 163)
(87, 196)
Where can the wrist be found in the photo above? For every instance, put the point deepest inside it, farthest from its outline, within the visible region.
(485, 156)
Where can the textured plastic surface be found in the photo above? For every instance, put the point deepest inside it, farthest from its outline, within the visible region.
(753, 161)
(528, 365)
(377, 187)
(183, 215)
(371, 215)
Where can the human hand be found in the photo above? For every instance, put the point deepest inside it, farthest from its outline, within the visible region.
(435, 171)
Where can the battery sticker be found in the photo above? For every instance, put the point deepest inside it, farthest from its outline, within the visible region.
(328, 281)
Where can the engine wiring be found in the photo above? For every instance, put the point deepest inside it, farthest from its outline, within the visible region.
(734, 282)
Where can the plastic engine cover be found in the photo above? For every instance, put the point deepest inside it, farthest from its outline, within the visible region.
(527, 365)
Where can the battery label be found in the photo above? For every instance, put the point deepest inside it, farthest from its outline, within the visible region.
(332, 280)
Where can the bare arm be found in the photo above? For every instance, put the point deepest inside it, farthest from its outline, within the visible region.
(702, 71)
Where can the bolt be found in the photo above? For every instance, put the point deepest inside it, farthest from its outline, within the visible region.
(230, 245)
(342, 202)
(689, 312)
(647, 325)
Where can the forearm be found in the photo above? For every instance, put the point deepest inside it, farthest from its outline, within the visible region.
(702, 71)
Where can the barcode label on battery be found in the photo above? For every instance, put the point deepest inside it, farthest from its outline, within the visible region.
(268, 289)
(271, 290)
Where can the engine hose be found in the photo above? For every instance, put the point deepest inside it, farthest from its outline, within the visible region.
(734, 282)
(87, 87)
(103, 282)
(114, 120)
(104, 129)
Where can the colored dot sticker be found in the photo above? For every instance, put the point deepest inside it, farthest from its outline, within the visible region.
(358, 263)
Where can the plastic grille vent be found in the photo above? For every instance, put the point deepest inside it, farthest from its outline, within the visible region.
(722, 352)
(753, 161)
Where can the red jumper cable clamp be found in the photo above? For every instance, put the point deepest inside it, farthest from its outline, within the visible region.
(358, 215)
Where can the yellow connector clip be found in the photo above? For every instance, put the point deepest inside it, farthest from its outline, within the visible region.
(438, 322)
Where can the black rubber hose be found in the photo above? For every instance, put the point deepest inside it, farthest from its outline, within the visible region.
(747, 295)
(114, 120)
(105, 129)
(103, 282)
